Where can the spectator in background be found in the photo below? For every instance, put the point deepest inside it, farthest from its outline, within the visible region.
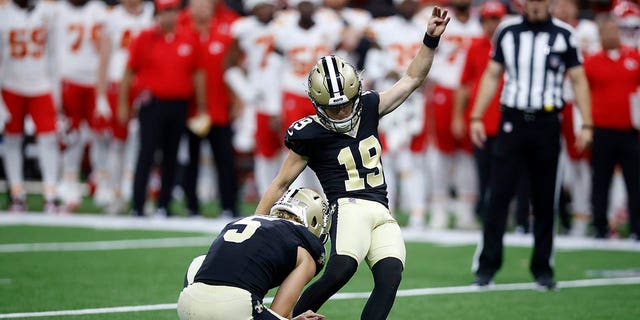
(614, 77)
(529, 130)
(211, 20)
(251, 68)
(77, 28)
(165, 62)
(627, 15)
(26, 87)
(451, 161)
(125, 21)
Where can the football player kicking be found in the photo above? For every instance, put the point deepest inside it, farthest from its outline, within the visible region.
(340, 144)
(257, 253)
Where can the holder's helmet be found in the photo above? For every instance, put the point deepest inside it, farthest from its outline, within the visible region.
(310, 208)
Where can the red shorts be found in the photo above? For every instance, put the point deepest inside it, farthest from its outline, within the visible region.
(440, 107)
(294, 108)
(40, 108)
(79, 103)
(268, 139)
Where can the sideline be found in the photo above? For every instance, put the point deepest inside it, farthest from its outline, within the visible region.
(347, 295)
(213, 226)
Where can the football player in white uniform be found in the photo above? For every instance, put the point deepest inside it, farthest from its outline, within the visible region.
(301, 36)
(77, 30)
(26, 84)
(124, 22)
(248, 78)
(355, 22)
(392, 51)
(577, 173)
(450, 162)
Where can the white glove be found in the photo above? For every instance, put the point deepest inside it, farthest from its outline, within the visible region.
(103, 110)
(5, 116)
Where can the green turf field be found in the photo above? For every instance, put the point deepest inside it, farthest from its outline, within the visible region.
(35, 281)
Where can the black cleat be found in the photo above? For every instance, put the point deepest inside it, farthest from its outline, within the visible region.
(482, 281)
(546, 283)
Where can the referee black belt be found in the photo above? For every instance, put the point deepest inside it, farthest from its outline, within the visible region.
(529, 115)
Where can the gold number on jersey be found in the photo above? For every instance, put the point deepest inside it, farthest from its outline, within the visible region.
(250, 228)
(298, 125)
(370, 150)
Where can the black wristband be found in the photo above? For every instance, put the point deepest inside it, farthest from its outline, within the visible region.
(587, 126)
(430, 41)
(473, 119)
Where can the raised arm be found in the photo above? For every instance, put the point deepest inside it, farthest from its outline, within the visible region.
(419, 66)
(290, 170)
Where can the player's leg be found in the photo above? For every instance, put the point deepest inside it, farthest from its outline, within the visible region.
(466, 183)
(440, 172)
(386, 257)
(413, 186)
(43, 114)
(190, 174)
(13, 139)
(73, 108)
(350, 241)
(131, 149)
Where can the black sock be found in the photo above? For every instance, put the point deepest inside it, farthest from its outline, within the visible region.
(387, 274)
(339, 270)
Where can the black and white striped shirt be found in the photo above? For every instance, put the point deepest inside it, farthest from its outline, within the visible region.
(535, 57)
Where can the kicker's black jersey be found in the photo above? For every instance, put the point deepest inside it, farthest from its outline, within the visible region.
(257, 253)
(347, 165)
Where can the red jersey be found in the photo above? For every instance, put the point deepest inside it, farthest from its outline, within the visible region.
(477, 60)
(213, 50)
(612, 81)
(164, 64)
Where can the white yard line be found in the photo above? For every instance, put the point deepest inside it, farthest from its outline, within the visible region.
(346, 296)
(108, 245)
(444, 238)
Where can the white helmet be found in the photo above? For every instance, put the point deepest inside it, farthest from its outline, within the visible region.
(335, 83)
(309, 207)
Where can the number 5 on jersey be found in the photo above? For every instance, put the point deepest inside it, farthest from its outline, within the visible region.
(370, 150)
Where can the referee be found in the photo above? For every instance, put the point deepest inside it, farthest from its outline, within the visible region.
(535, 52)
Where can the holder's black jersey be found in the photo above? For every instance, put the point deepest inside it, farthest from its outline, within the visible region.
(257, 253)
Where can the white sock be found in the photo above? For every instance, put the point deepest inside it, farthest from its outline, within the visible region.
(49, 163)
(71, 158)
(115, 162)
(13, 162)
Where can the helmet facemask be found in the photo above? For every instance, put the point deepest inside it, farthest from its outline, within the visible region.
(333, 84)
(309, 208)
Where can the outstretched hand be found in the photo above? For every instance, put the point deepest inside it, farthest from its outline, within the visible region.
(309, 315)
(438, 22)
